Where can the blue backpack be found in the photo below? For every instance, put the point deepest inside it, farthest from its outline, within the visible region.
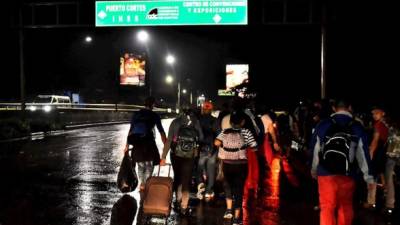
(140, 128)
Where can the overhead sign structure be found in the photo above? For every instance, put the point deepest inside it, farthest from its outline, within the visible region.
(170, 13)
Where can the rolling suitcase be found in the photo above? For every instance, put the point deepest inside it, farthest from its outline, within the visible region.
(158, 196)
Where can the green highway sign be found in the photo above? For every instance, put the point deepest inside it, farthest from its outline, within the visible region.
(222, 92)
(170, 13)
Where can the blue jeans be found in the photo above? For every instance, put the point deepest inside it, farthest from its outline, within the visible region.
(207, 166)
(145, 170)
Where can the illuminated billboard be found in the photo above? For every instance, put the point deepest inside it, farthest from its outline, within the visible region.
(236, 75)
(132, 70)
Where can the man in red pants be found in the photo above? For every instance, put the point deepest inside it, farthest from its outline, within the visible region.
(337, 143)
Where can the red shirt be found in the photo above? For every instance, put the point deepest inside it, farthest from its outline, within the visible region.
(382, 129)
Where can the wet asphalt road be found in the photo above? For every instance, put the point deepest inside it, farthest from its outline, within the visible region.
(64, 179)
(70, 178)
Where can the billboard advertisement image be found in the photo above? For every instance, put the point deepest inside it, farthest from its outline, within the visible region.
(236, 75)
(132, 70)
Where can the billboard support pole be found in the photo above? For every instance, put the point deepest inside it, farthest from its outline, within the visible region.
(117, 97)
(178, 104)
(323, 53)
(21, 62)
(117, 90)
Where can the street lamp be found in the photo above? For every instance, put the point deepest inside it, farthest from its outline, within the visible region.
(143, 36)
(88, 39)
(169, 79)
(184, 91)
(170, 59)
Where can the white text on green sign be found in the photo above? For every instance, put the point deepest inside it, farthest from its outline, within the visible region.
(179, 12)
(222, 92)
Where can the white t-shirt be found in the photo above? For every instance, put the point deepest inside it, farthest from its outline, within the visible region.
(267, 122)
(225, 123)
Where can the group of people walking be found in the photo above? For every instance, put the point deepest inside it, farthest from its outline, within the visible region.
(238, 145)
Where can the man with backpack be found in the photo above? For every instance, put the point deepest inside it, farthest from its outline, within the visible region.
(184, 135)
(393, 159)
(207, 154)
(141, 136)
(337, 143)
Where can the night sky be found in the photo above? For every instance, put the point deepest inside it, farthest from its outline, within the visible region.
(284, 59)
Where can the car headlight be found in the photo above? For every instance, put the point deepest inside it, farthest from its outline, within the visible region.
(47, 108)
(33, 108)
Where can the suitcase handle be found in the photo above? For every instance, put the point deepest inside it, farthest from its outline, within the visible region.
(169, 169)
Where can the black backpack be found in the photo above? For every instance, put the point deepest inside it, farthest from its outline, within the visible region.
(186, 141)
(335, 152)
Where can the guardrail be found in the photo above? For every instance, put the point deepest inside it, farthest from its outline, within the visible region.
(91, 107)
(42, 117)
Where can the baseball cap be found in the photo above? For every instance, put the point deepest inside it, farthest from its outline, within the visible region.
(207, 106)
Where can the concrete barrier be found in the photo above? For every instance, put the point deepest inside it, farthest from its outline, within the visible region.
(15, 124)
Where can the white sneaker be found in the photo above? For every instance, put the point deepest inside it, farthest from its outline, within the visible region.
(228, 214)
(209, 196)
(200, 191)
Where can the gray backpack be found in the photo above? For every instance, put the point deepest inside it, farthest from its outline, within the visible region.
(393, 144)
(186, 141)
